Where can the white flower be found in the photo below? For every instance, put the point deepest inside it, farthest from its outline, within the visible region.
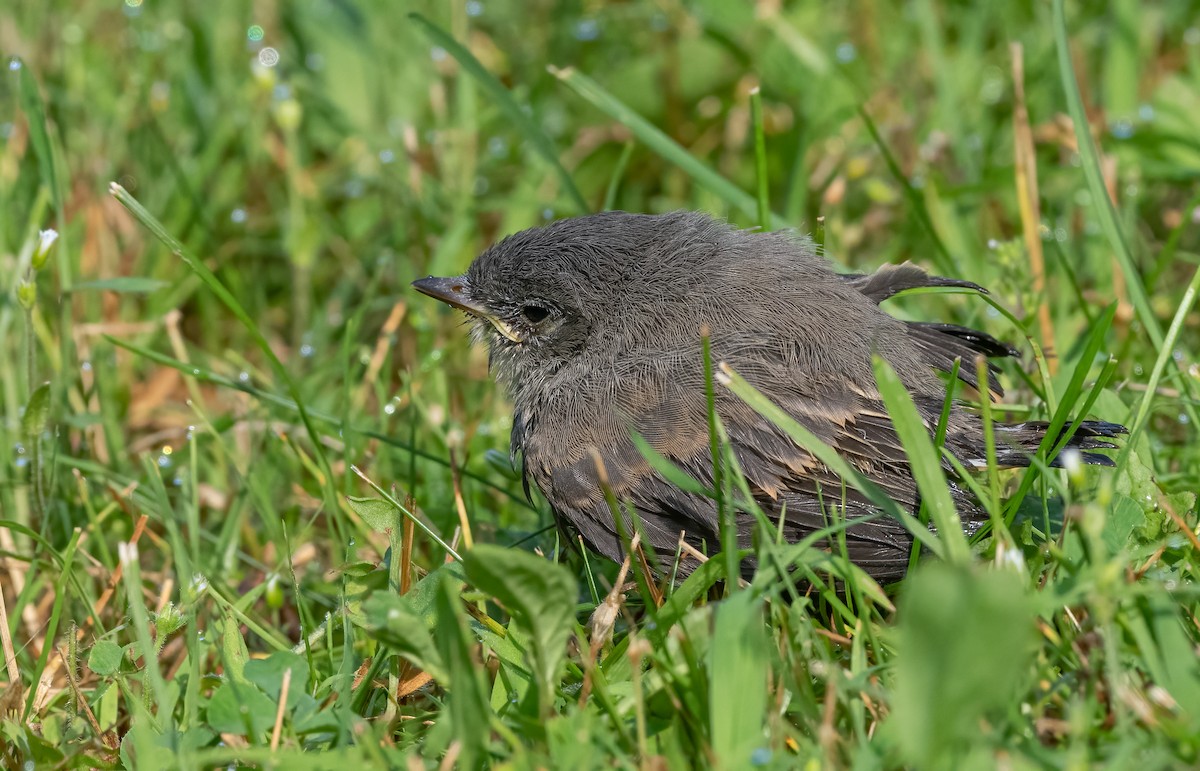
(46, 239)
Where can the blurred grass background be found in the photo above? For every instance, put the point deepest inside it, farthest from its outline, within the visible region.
(318, 156)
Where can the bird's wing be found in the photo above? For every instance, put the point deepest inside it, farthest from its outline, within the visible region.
(784, 478)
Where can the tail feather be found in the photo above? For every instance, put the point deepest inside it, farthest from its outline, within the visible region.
(1088, 435)
(943, 343)
(891, 280)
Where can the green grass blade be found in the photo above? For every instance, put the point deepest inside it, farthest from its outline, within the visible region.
(1105, 211)
(618, 172)
(231, 303)
(739, 661)
(208, 376)
(1069, 399)
(827, 455)
(923, 459)
(503, 99)
(760, 158)
(1090, 159)
(660, 143)
(1165, 354)
(941, 257)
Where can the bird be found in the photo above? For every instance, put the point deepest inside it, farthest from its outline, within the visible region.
(595, 326)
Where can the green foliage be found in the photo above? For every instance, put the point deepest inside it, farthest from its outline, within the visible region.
(964, 643)
(541, 599)
(236, 450)
(739, 665)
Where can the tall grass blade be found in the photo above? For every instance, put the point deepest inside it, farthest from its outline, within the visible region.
(503, 99)
(660, 143)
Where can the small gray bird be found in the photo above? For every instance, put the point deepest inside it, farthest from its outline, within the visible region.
(595, 323)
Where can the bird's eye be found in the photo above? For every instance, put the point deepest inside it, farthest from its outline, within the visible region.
(534, 314)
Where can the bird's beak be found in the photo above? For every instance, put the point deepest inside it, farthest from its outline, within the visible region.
(454, 292)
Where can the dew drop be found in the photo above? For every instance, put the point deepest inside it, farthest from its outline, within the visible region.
(846, 52)
(268, 57)
(587, 30)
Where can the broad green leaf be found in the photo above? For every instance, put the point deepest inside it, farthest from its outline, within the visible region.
(965, 642)
(105, 657)
(468, 699)
(240, 708)
(233, 648)
(267, 674)
(393, 621)
(738, 664)
(1124, 517)
(541, 597)
(37, 412)
(378, 514)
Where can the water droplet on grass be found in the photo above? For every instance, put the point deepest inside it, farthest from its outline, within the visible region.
(587, 30)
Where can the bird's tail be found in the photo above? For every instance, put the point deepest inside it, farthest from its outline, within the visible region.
(1018, 442)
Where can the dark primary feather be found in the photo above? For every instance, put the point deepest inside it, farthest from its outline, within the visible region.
(629, 297)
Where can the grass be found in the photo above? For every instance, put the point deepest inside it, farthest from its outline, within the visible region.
(255, 501)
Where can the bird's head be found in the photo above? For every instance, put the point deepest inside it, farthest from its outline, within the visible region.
(588, 286)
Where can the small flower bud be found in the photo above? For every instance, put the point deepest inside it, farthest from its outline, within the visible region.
(287, 114)
(41, 252)
(167, 621)
(1072, 461)
(27, 294)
